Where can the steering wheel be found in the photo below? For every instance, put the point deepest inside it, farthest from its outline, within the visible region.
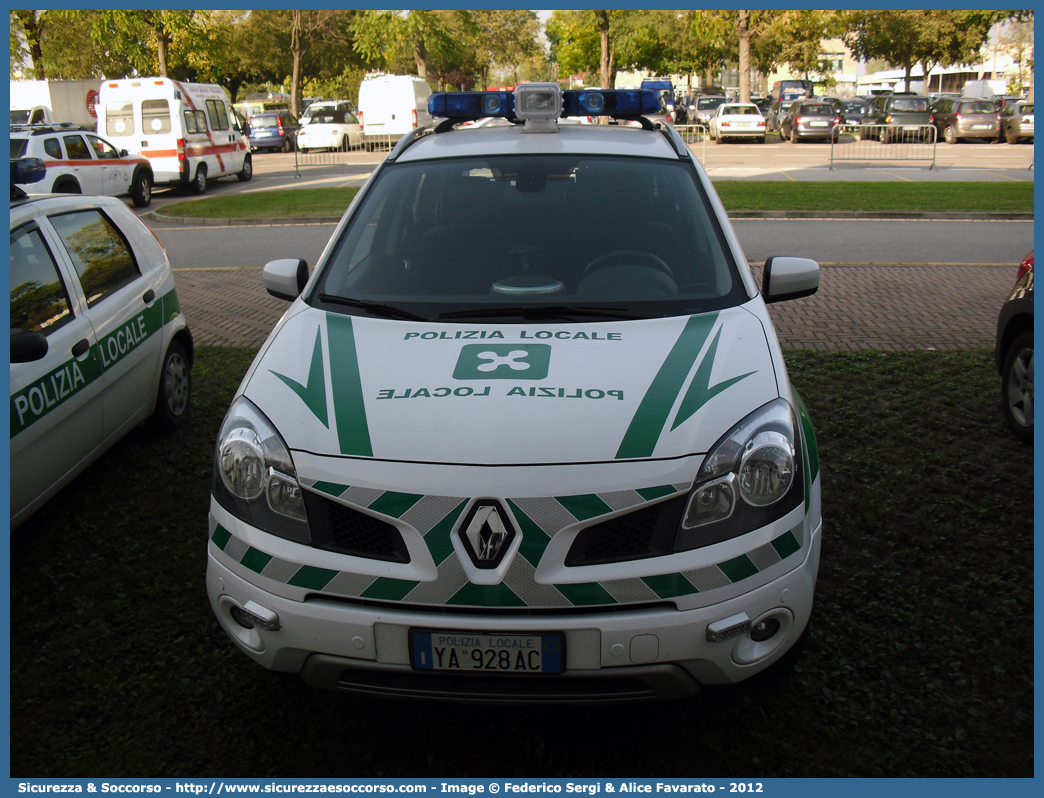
(628, 256)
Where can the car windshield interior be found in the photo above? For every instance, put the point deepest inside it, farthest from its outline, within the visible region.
(817, 110)
(534, 230)
(264, 120)
(709, 102)
(742, 110)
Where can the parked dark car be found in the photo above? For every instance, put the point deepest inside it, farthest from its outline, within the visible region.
(764, 104)
(809, 121)
(852, 111)
(901, 115)
(957, 119)
(1016, 122)
(776, 113)
(273, 130)
(1014, 353)
(706, 107)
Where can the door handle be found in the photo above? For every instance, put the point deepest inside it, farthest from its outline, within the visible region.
(149, 296)
(80, 347)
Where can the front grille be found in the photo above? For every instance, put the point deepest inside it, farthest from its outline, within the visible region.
(337, 527)
(649, 532)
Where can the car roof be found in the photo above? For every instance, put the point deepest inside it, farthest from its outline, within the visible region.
(570, 139)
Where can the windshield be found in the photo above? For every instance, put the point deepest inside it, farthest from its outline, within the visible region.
(978, 108)
(707, 103)
(910, 104)
(853, 107)
(816, 110)
(264, 120)
(741, 110)
(463, 235)
(19, 117)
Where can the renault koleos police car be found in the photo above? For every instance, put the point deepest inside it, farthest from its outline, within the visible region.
(526, 432)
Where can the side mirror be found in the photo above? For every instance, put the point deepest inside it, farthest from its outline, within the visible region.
(27, 347)
(123, 153)
(789, 278)
(286, 278)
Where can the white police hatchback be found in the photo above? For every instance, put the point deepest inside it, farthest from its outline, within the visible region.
(526, 432)
(98, 340)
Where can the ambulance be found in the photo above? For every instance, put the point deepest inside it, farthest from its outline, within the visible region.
(186, 130)
(526, 432)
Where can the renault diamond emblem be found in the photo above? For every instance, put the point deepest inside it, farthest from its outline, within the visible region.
(487, 534)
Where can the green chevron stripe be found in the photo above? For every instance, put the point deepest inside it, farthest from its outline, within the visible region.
(739, 568)
(670, 585)
(312, 578)
(330, 488)
(221, 537)
(255, 560)
(386, 589)
(648, 422)
(586, 594)
(534, 539)
(394, 504)
(584, 507)
(438, 538)
(313, 394)
(786, 544)
(700, 391)
(649, 494)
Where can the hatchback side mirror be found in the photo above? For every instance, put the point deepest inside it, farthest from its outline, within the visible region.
(27, 347)
(789, 278)
(286, 278)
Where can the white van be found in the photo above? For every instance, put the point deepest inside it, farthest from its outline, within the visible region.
(184, 129)
(390, 106)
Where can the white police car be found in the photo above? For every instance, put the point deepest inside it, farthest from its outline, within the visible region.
(98, 341)
(79, 162)
(526, 432)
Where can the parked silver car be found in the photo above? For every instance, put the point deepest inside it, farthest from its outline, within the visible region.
(1016, 123)
(962, 118)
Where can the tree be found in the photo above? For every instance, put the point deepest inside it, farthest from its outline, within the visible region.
(145, 36)
(504, 39)
(379, 36)
(26, 34)
(907, 38)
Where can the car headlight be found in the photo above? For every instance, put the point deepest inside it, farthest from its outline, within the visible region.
(254, 475)
(750, 477)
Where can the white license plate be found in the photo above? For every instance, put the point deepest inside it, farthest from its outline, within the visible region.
(482, 652)
(911, 128)
(981, 127)
(744, 124)
(817, 124)
(260, 134)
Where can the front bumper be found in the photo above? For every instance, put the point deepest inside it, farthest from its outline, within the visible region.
(651, 651)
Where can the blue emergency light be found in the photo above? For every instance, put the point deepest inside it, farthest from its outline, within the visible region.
(619, 103)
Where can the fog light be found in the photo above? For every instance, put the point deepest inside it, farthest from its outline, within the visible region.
(764, 629)
(253, 615)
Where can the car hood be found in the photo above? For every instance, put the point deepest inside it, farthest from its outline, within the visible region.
(341, 385)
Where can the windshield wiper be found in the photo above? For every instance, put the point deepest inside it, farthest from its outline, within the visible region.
(374, 308)
(541, 313)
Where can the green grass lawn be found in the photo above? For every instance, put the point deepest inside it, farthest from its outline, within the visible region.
(737, 195)
(757, 195)
(290, 203)
(918, 662)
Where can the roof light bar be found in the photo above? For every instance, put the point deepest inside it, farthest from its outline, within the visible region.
(617, 102)
(542, 104)
(471, 104)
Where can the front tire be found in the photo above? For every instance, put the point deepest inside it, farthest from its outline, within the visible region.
(1017, 386)
(247, 171)
(141, 189)
(199, 182)
(175, 390)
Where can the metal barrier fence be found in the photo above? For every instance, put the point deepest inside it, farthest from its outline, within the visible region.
(695, 134)
(339, 154)
(883, 143)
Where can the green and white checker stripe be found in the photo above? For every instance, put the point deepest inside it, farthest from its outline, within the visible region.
(435, 517)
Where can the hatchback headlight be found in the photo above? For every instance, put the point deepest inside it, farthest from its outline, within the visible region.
(254, 475)
(750, 477)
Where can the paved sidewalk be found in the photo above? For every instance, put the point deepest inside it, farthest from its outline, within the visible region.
(888, 308)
